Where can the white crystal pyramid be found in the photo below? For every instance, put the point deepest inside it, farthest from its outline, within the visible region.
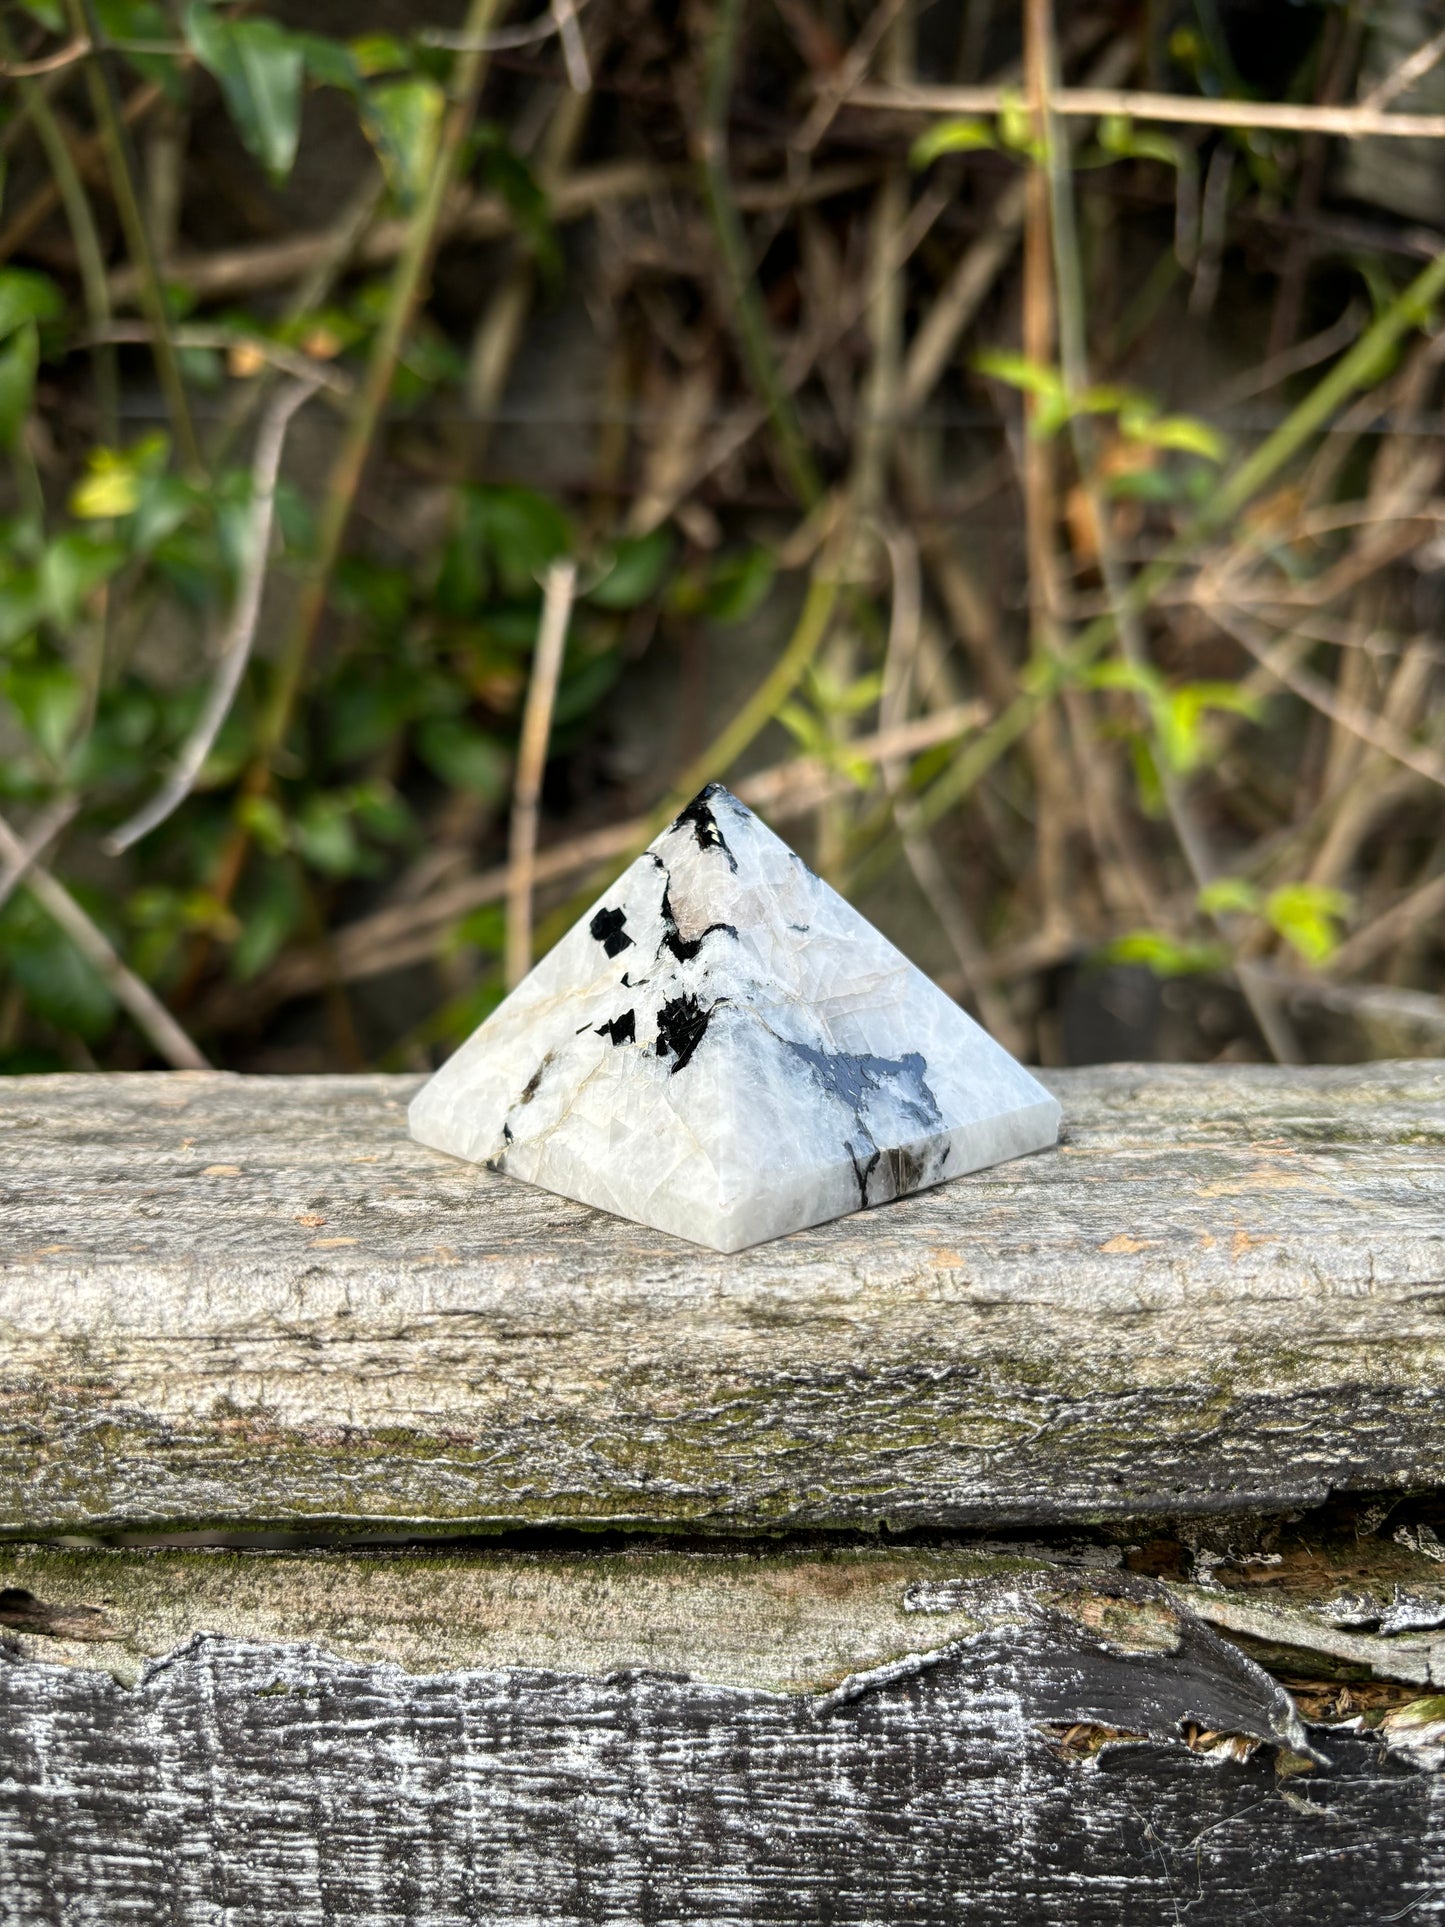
(724, 1049)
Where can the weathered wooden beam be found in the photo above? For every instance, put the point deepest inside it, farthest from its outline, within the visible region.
(783, 1621)
(243, 1302)
(233, 1303)
(920, 1736)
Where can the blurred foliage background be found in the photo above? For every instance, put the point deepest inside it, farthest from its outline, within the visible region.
(436, 441)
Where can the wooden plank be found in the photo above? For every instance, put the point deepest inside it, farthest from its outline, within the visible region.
(242, 1301)
(773, 1621)
(982, 1775)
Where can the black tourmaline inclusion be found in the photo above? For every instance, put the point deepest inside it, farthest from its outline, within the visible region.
(681, 1025)
(621, 1030)
(607, 928)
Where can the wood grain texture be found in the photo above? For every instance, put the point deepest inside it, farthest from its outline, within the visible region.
(772, 1620)
(240, 1783)
(241, 1301)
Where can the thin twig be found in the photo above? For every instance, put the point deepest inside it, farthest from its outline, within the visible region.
(89, 256)
(1091, 103)
(409, 933)
(41, 836)
(574, 47)
(236, 650)
(749, 318)
(803, 357)
(545, 27)
(289, 361)
(345, 479)
(978, 268)
(1322, 696)
(1289, 361)
(49, 63)
(1355, 370)
(149, 1013)
(558, 593)
(1414, 67)
(111, 123)
(904, 633)
(46, 198)
(473, 217)
(1424, 905)
(850, 72)
(1074, 360)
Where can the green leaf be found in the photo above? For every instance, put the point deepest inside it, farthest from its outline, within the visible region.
(1019, 372)
(1142, 679)
(503, 170)
(115, 478)
(1306, 916)
(163, 505)
(263, 818)
(1121, 139)
(19, 359)
(325, 836)
(465, 756)
(60, 985)
(1016, 126)
(1225, 895)
(524, 531)
(71, 567)
(329, 62)
(402, 119)
(1181, 432)
(379, 53)
(737, 585)
(143, 20)
(260, 67)
(950, 137)
(1179, 718)
(268, 916)
(27, 296)
(111, 488)
(48, 12)
(380, 811)
(21, 606)
(362, 714)
(48, 698)
(638, 566)
(1163, 955)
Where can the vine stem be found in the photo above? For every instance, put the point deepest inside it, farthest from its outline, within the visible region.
(137, 237)
(90, 260)
(1189, 833)
(407, 286)
(748, 316)
(558, 594)
(1355, 370)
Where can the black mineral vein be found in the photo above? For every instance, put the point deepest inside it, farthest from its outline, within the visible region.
(850, 1076)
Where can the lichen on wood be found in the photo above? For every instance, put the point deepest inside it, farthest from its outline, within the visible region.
(246, 1301)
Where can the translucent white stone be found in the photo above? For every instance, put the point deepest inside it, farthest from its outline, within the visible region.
(724, 1049)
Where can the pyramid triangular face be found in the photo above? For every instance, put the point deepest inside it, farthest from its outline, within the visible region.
(724, 1049)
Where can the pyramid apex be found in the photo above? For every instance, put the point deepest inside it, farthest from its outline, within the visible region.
(700, 815)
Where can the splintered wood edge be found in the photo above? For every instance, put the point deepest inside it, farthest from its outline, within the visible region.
(779, 1622)
(245, 1302)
